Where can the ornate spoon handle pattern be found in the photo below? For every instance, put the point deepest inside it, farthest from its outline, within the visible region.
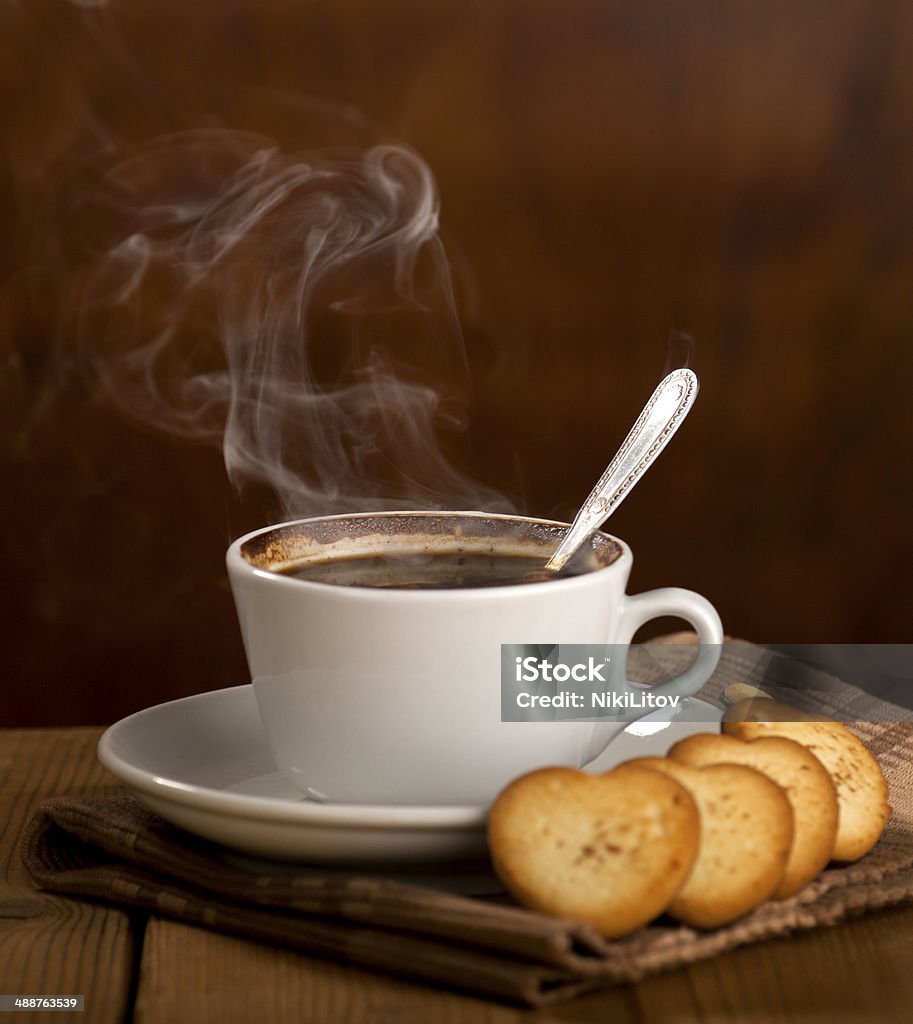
(663, 414)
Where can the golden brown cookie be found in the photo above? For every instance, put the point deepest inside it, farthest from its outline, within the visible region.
(746, 836)
(736, 692)
(804, 779)
(862, 793)
(766, 709)
(609, 849)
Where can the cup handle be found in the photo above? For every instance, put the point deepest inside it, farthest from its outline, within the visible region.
(694, 609)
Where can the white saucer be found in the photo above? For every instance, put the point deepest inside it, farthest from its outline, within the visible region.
(202, 763)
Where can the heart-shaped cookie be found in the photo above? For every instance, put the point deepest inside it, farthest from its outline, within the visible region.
(612, 850)
(802, 777)
(746, 837)
(862, 792)
(760, 708)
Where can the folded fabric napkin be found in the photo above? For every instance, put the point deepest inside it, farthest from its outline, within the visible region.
(113, 849)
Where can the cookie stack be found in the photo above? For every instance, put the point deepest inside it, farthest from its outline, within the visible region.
(705, 834)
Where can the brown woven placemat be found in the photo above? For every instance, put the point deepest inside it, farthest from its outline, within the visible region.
(111, 848)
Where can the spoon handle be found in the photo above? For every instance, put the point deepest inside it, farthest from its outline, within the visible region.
(663, 414)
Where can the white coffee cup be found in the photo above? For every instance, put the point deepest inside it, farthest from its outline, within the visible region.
(375, 695)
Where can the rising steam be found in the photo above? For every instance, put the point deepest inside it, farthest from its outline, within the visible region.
(296, 309)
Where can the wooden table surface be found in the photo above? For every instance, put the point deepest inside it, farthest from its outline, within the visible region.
(133, 967)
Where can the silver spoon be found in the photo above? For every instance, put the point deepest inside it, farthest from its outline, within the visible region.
(663, 414)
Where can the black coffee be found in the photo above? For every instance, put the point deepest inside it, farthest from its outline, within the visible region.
(433, 571)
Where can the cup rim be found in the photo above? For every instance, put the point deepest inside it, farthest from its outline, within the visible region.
(237, 564)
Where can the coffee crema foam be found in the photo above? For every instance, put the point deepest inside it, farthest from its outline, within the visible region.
(451, 570)
(422, 551)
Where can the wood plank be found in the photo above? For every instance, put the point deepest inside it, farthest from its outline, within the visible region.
(190, 975)
(856, 971)
(50, 945)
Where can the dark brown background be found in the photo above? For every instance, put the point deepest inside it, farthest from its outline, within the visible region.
(609, 172)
